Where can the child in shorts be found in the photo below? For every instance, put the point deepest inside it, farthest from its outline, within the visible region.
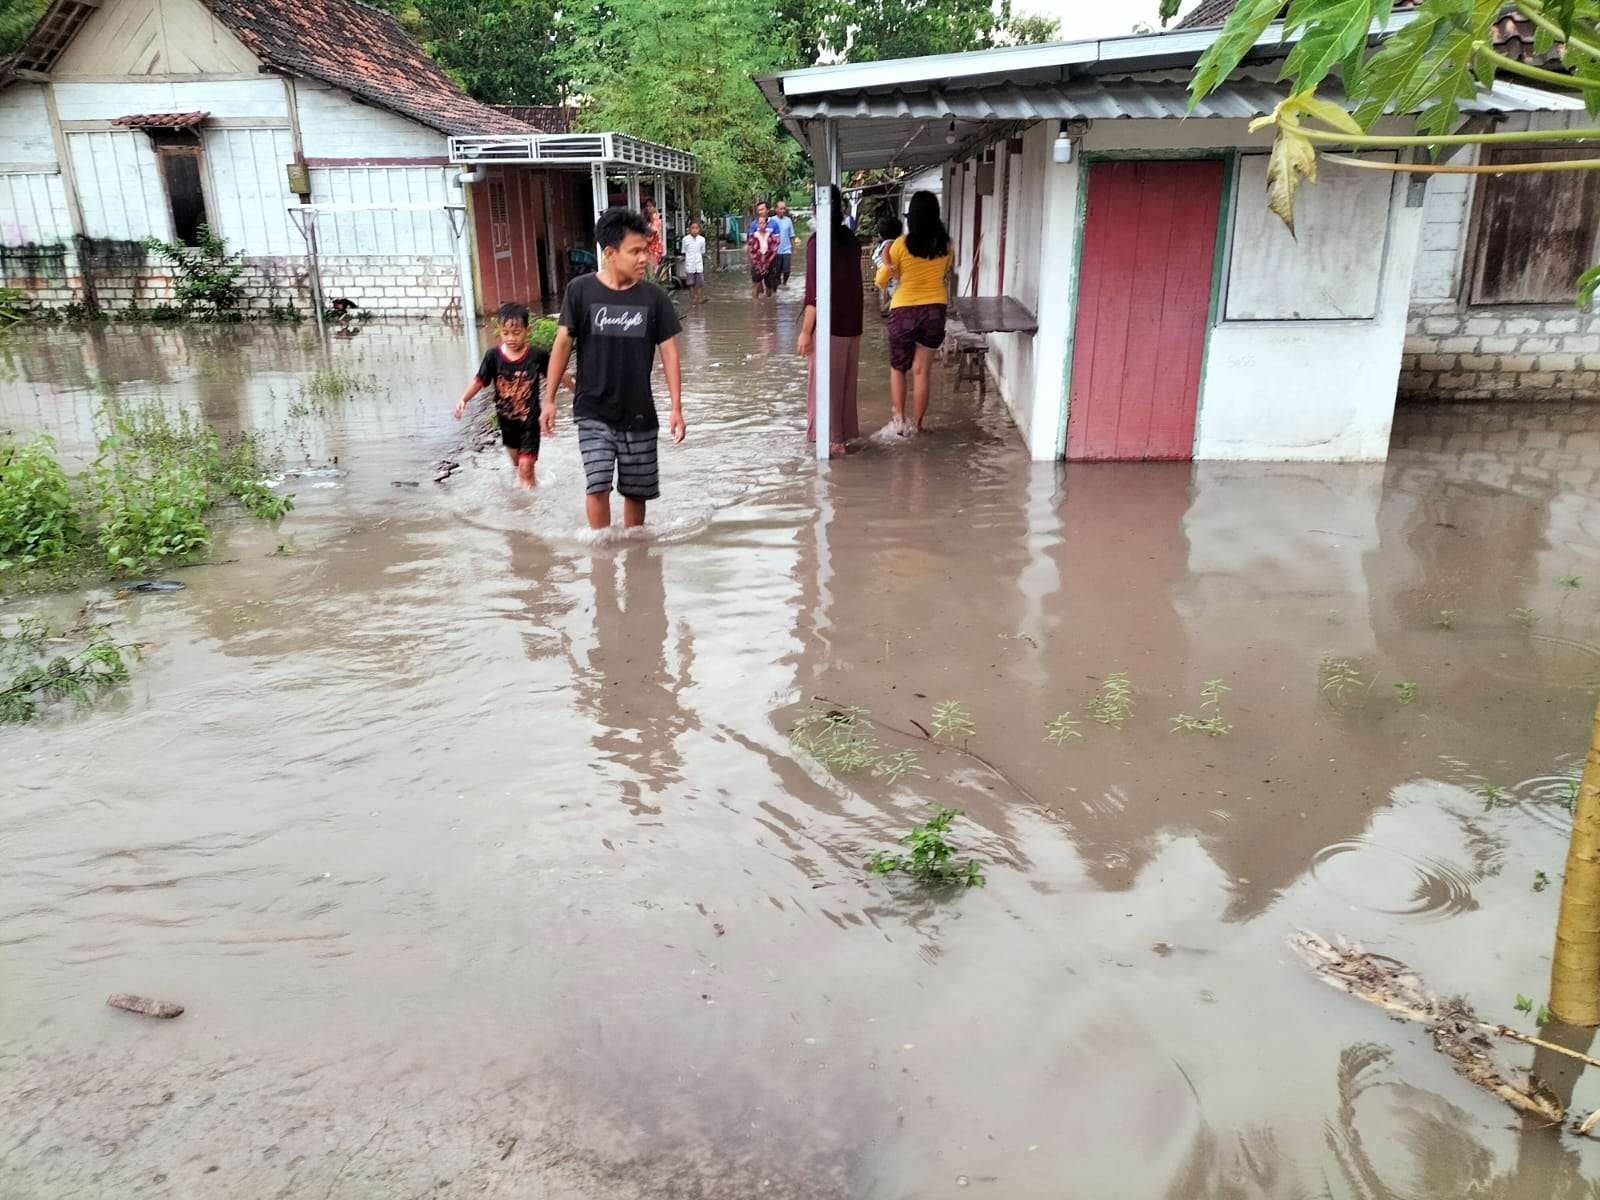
(694, 263)
(514, 369)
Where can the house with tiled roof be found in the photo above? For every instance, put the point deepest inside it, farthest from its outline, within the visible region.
(314, 139)
(1491, 312)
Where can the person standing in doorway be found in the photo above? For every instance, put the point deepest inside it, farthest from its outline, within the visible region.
(845, 298)
(919, 262)
(889, 231)
(784, 224)
(694, 263)
(763, 249)
(616, 319)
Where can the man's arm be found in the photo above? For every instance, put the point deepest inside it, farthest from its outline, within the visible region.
(673, 368)
(559, 354)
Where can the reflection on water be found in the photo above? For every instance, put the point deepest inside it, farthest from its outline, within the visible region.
(480, 857)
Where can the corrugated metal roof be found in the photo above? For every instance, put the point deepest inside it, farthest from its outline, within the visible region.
(1110, 99)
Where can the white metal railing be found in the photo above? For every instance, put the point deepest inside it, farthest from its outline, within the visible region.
(570, 149)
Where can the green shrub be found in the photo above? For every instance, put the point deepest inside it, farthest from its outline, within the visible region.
(205, 277)
(39, 520)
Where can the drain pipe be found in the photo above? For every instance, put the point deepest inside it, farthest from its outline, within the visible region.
(469, 314)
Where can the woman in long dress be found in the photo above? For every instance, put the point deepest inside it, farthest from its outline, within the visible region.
(844, 359)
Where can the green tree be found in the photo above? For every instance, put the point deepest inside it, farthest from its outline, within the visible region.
(681, 75)
(1428, 66)
(17, 19)
(499, 51)
(865, 30)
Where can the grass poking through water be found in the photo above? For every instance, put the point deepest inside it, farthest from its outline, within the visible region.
(1113, 704)
(1212, 724)
(930, 856)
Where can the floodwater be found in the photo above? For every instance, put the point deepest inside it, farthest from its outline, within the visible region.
(482, 861)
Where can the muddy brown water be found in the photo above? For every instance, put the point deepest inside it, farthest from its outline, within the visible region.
(482, 862)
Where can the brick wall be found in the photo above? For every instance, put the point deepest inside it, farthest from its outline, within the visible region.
(1535, 353)
(387, 287)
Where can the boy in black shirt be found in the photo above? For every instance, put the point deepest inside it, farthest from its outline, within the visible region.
(514, 368)
(616, 319)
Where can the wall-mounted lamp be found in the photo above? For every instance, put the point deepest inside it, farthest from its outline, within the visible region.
(950, 135)
(1061, 152)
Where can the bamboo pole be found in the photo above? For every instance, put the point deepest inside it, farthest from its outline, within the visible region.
(1575, 968)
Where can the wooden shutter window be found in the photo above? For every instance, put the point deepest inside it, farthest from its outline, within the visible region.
(1532, 235)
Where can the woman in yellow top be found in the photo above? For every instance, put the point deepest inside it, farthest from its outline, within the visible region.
(920, 261)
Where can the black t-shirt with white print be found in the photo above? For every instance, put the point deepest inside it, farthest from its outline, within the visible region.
(616, 335)
(515, 380)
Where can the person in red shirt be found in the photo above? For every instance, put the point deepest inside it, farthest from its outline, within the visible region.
(763, 246)
(656, 246)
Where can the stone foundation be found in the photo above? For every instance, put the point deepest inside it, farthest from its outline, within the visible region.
(126, 277)
(1500, 353)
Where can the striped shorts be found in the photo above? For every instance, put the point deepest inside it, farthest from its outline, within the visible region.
(627, 454)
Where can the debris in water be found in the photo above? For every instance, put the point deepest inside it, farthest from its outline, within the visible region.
(718, 927)
(1457, 1031)
(145, 1007)
(151, 585)
(404, 483)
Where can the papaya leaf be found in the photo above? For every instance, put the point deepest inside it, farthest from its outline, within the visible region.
(1244, 27)
(1333, 30)
(1429, 65)
(1293, 158)
(1543, 41)
(1588, 283)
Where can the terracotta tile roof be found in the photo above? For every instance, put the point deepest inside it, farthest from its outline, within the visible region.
(546, 118)
(357, 48)
(366, 52)
(186, 120)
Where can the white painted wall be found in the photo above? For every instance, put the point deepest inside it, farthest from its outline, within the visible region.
(1058, 275)
(1012, 355)
(379, 233)
(1329, 268)
(25, 126)
(1312, 390)
(33, 210)
(334, 126)
(119, 190)
(250, 186)
(222, 98)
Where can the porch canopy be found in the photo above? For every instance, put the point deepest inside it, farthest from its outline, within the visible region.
(917, 112)
(605, 156)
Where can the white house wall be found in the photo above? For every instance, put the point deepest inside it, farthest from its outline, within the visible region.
(33, 209)
(383, 233)
(1312, 390)
(153, 37)
(333, 126)
(221, 99)
(251, 187)
(1012, 355)
(119, 189)
(25, 138)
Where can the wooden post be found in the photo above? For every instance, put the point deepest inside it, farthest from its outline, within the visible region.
(69, 185)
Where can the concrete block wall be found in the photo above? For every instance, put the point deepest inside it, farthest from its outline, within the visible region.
(386, 287)
(1505, 353)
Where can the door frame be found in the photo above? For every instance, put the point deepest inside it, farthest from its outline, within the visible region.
(1227, 156)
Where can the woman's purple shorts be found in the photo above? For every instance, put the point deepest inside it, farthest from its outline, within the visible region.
(912, 326)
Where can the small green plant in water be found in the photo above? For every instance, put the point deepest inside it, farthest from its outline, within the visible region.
(1524, 617)
(39, 521)
(33, 682)
(1338, 675)
(1446, 619)
(336, 385)
(1570, 581)
(1540, 881)
(1113, 704)
(952, 720)
(1493, 797)
(1405, 691)
(838, 739)
(896, 766)
(1523, 1004)
(1212, 725)
(931, 857)
(1062, 730)
(1573, 784)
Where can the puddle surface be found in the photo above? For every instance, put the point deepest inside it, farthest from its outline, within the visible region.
(478, 853)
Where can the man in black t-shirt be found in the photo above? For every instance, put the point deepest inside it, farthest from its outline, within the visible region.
(617, 319)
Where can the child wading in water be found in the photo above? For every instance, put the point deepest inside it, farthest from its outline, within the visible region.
(694, 263)
(616, 319)
(514, 368)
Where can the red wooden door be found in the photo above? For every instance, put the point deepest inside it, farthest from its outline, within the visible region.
(1144, 291)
